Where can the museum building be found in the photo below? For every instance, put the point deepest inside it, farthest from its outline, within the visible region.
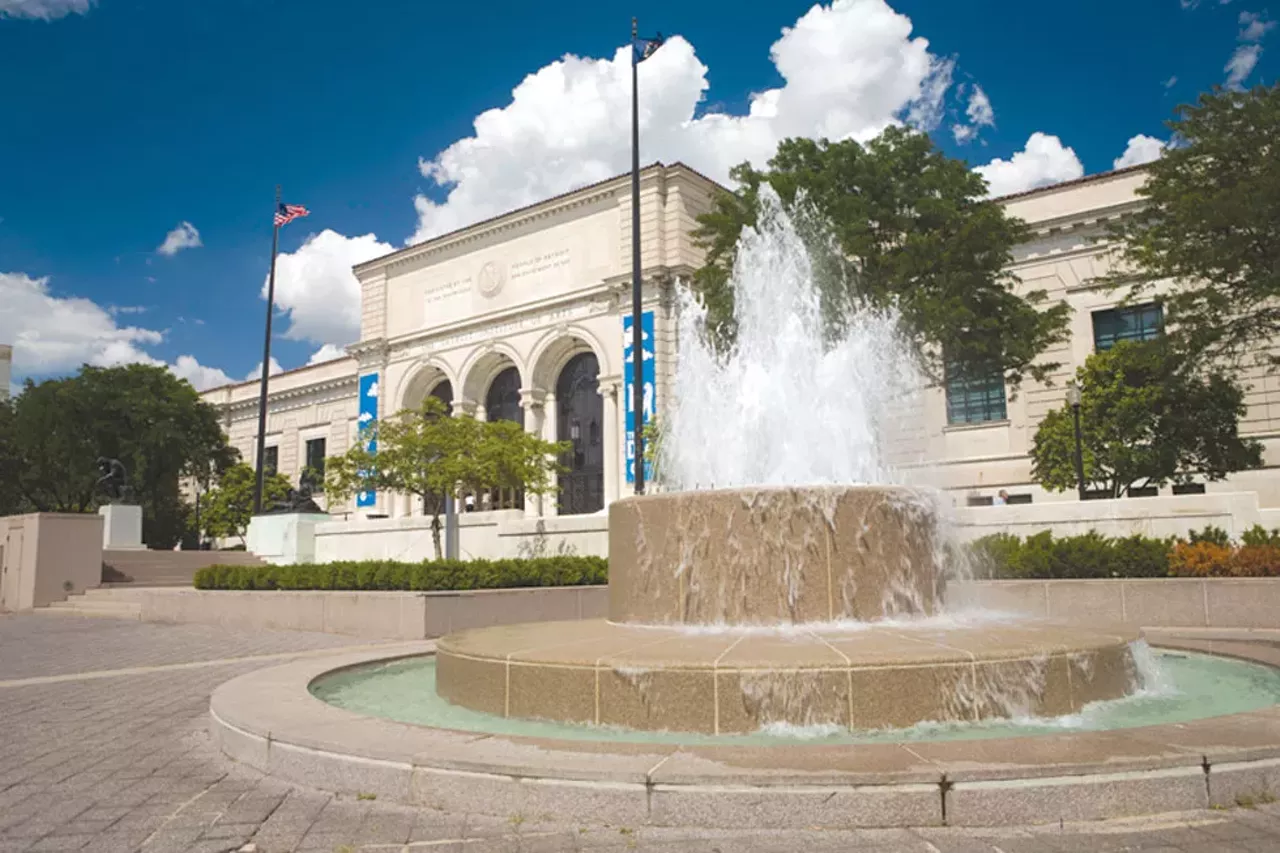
(522, 317)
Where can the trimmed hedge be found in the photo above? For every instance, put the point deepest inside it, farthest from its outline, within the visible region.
(1207, 553)
(425, 576)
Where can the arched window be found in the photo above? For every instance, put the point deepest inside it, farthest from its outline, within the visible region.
(502, 403)
(443, 392)
(503, 400)
(580, 413)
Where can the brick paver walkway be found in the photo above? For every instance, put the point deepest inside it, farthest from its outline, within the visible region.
(103, 748)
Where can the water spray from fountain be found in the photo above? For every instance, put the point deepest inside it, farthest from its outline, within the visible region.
(797, 399)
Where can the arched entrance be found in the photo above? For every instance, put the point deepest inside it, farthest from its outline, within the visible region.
(502, 403)
(444, 393)
(580, 420)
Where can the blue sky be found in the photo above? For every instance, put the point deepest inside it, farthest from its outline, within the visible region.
(124, 119)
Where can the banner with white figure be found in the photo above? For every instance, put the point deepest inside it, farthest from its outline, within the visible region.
(650, 374)
(367, 418)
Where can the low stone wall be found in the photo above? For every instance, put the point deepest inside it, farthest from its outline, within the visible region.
(1149, 603)
(374, 615)
(481, 535)
(1157, 603)
(1234, 512)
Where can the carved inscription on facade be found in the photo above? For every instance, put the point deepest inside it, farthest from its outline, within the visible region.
(448, 289)
(539, 264)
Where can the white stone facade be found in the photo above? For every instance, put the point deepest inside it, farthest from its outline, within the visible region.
(534, 288)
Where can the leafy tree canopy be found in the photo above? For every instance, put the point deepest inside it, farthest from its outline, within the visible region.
(146, 417)
(1211, 228)
(225, 512)
(427, 453)
(1144, 421)
(894, 223)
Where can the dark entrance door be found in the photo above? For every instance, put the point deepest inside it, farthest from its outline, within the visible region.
(580, 413)
(502, 403)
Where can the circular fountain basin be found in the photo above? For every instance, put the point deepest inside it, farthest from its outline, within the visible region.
(735, 609)
(713, 682)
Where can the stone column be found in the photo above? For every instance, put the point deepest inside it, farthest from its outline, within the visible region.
(612, 438)
(550, 432)
(532, 402)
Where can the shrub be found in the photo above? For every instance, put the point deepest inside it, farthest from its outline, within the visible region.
(1259, 535)
(1212, 535)
(1201, 559)
(425, 576)
(1256, 561)
(1089, 555)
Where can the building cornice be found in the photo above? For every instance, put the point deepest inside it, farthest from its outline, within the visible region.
(583, 196)
(345, 383)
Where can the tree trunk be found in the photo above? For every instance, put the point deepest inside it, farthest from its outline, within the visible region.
(435, 535)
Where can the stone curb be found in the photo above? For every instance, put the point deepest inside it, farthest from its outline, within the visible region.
(269, 720)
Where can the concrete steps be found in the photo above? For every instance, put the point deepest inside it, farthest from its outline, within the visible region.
(166, 568)
(98, 605)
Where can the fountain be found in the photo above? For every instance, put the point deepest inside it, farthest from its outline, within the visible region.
(790, 577)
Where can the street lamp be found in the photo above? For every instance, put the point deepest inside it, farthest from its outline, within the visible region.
(1073, 399)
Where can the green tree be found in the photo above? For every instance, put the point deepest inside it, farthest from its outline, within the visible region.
(1209, 232)
(894, 223)
(142, 415)
(227, 509)
(427, 453)
(1145, 421)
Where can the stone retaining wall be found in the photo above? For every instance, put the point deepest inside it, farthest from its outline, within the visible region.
(1155, 603)
(375, 615)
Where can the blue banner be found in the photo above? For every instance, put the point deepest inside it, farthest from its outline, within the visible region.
(367, 418)
(650, 388)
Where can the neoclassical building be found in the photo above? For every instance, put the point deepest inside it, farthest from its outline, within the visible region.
(522, 317)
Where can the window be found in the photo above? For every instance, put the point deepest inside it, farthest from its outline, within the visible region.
(270, 460)
(1019, 499)
(1139, 323)
(975, 401)
(315, 462)
(1188, 488)
(1144, 492)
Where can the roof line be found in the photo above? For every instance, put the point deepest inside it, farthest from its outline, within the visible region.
(1085, 179)
(657, 164)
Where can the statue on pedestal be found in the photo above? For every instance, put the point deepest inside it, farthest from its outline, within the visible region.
(297, 500)
(114, 480)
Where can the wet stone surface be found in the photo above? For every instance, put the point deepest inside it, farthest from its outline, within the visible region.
(121, 762)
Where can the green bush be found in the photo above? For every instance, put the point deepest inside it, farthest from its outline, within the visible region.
(1090, 555)
(1212, 535)
(426, 576)
(1258, 536)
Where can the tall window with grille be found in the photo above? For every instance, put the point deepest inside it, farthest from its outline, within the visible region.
(1132, 323)
(975, 399)
(270, 460)
(315, 453)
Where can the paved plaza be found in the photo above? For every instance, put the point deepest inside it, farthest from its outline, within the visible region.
(103, 748)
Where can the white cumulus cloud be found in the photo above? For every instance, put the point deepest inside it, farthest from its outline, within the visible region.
(1254, 26)
(1043, 160)
(43, 10)
(328, 352)
(849, 70)
(185, 236)
(1241, 64)
(980, 115)
(317, 289)
(54, 335)
(201, 376)
(1141, 149)
(256, 373)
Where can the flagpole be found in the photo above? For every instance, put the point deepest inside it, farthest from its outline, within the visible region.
(637, 334)
(266, 361)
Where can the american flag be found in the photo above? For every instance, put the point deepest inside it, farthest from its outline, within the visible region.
(286, 213)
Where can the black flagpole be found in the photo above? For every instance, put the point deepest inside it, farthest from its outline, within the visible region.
(266, 360)
(637, 335)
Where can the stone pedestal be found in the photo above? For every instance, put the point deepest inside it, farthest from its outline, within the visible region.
(121, 527)
(284, 538)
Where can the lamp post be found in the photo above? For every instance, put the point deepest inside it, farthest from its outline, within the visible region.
(1073, 399)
